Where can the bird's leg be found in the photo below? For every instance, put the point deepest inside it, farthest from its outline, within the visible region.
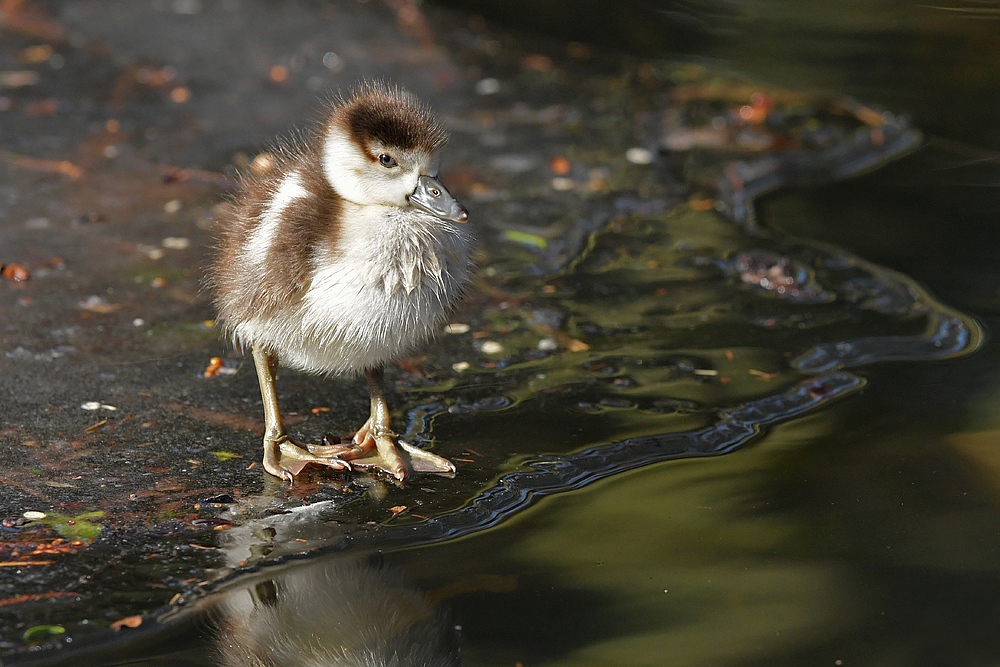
(282, 457)
(377, 434)
(362, 434)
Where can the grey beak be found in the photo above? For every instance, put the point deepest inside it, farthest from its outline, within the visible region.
(432, 197)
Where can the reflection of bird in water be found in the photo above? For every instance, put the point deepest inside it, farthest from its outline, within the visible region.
(344, 254)
(338, 611)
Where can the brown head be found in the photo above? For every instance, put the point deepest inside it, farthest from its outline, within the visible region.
(380, 146)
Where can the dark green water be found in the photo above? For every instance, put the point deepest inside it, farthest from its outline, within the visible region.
(868, 534)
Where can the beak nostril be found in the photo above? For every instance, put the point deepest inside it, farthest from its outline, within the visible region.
(432, 197)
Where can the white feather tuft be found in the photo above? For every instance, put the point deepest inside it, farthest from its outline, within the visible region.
(385, 290)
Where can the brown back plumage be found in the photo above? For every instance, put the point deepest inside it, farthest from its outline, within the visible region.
(243, 291)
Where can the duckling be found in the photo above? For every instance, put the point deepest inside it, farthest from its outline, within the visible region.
(338, 611)
(343, 255)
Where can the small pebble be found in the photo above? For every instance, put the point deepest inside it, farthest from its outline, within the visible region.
(457, 328)
(460, 366)
(491, 347)
(562, 184)
(332, 61)
(33, 515)
(638, 155)
(138, 322)
(172, 206)
(96, 304)
(95, 405)
(488, 86)
(176, 243)
(547, 344)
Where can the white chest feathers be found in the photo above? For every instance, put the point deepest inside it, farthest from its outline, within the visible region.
(383, 289)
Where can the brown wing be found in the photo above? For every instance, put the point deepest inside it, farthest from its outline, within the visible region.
(244, 289)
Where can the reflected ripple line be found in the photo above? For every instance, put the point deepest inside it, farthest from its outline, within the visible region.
(515, 491)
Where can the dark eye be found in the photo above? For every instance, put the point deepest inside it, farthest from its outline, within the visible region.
(387, 161)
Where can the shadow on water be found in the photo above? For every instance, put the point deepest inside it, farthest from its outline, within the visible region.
(638, 303)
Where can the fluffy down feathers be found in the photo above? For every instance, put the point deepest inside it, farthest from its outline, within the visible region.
(321, 261)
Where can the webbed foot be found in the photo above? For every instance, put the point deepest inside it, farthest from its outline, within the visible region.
(374, 445)
(381, 449)
(285, 458)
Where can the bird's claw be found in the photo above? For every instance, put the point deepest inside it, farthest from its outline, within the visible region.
(284, 458)
(385, 452)
(371, 448)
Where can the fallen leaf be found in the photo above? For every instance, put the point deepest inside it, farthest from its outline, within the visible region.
(43, 630)
(526, 239)
(96, 304)
(91, 429)
(35, 597)
(560, 166)
(222, 419)
(16, 272)
(127, 622)
(35, 54)
(18, 78)
(58, 166)
(73, 527)
(214, 364)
